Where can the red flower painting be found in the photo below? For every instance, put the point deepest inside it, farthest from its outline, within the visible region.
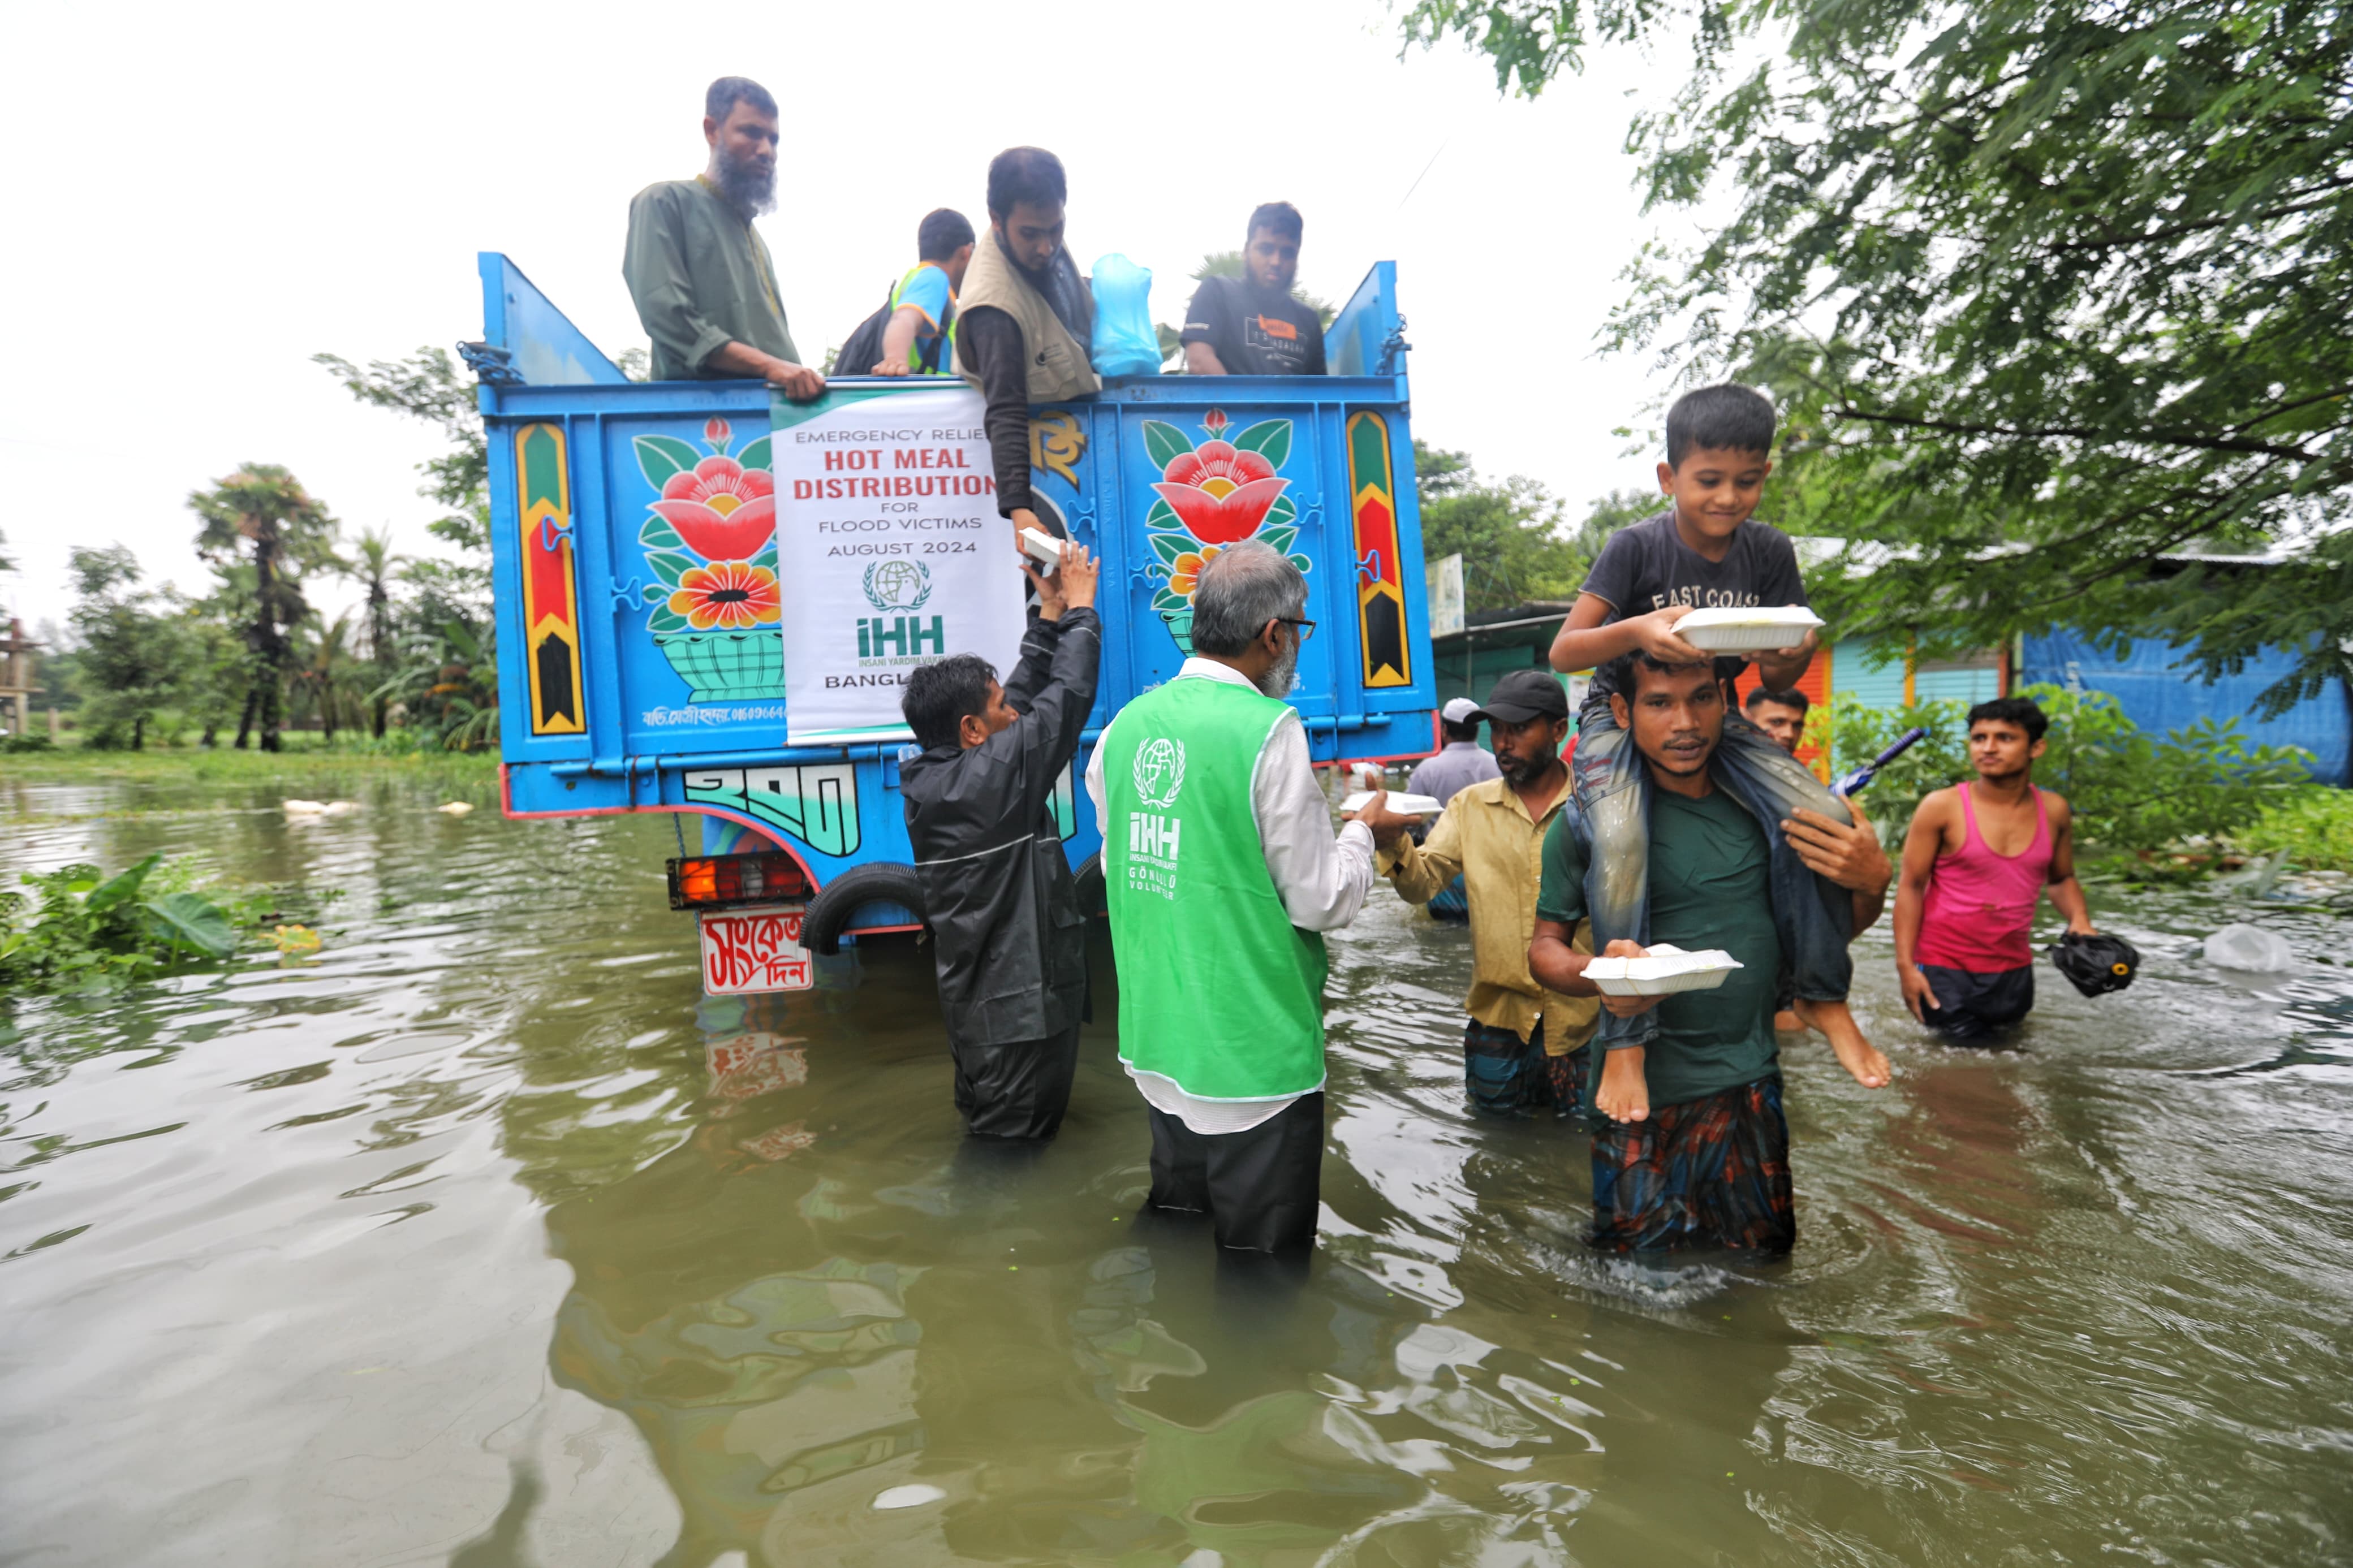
(723, 509)
(1221, 492)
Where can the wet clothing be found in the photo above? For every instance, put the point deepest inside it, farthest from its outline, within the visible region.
(1259, 1188)
(1008, 938)
(1459, 763)
(1647, 566)
(1979, 914)
(1255, 331)
(1192, 1059)
(1711, 887)
(1711, 1172)
(702, 279)
(1973, 1006)
(1486, 836)
(1021, 338)
(1018, 1090)
(1504, 1074)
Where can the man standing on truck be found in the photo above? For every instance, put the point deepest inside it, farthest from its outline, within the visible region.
(923, 307)
(699, 271)
(1223, 874)
(1006, 934)
(1026, 320)
(1255, 325)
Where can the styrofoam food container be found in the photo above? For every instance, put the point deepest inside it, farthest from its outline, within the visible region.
(1665, 970)
(1042, 546)
(1404, 804)
(1758, 627)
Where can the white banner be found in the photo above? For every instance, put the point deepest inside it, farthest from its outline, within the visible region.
(891, 553)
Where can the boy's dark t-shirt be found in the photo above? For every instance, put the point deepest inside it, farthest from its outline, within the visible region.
(1255, 331)
(1709, 889)
(1646, 567)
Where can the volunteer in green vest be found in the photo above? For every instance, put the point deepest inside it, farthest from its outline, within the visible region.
(923, 305)
(1025, 319)
(699, 271)
(1222, 873)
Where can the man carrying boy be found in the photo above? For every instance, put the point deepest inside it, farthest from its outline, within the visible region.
(1009, 940)
(1695, 1152)
(1704, 551)
(1524, 1047)
(1975, 864)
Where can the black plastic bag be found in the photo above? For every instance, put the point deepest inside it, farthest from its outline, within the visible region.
(2093, 964)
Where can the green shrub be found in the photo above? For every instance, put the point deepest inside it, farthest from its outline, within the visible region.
(83, 928)
(2129, 792)
(2313, 827)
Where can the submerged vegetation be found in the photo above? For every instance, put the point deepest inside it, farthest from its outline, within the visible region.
(78, 928)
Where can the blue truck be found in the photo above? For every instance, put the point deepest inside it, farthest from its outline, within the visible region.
(612, 702)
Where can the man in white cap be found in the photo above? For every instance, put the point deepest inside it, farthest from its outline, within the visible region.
(1523, 1047)
(1463, 760)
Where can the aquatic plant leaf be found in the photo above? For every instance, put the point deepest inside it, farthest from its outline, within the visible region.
(193, 918)
(123, 888)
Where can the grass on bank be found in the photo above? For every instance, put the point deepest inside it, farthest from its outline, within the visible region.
(301, 766)
(2313, 827)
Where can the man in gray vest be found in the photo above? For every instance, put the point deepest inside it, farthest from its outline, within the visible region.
(1025, 319)
(699, 271)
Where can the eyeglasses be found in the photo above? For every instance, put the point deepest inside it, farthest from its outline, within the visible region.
(1306, 628)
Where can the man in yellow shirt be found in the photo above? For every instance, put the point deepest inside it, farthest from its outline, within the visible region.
(1523, 1046)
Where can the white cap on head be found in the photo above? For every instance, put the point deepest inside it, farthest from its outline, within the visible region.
(1458, 710)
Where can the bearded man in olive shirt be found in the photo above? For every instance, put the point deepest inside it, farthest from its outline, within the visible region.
(699, 273)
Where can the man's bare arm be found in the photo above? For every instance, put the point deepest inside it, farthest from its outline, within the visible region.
(898, 338)
(2066, 893)
(1922, 843)
(799, 383)
(1200, 359)
(1557, 965)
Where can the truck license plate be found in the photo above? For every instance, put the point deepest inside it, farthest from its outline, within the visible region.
(755, 949)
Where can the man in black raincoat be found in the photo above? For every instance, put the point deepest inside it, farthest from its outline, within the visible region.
(1009, 940)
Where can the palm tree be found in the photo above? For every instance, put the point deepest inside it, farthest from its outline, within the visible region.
(263, 509)
(327, 679)
(373, 567)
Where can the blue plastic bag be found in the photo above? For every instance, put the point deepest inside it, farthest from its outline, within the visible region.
(1125, 342)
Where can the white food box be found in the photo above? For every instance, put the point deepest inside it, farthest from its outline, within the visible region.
(1399, 802)
(1665, 970)
(1758, 628)
(1042, 546)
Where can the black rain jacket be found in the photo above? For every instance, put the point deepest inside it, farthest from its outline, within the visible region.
(1009, 938)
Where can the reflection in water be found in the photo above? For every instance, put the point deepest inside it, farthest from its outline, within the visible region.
(478, 1239)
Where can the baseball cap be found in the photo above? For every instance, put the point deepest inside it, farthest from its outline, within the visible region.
(1523, 695)
(1458, 710)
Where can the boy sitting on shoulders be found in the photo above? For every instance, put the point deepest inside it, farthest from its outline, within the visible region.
(1697, 1151)
(1975, 865)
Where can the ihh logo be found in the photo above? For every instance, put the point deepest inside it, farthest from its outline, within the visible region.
(904, 636)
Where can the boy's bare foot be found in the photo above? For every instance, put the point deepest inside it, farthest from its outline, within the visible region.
(1857, 1054)
(1624, 1094)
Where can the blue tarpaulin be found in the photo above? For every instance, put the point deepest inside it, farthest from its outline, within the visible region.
(2160, 695)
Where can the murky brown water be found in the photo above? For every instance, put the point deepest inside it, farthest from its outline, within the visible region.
(479, 1239)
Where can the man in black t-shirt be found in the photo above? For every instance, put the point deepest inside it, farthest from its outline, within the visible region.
(1251, 325)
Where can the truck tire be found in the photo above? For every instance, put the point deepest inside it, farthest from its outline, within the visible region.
(1094, 899)
(876, 882)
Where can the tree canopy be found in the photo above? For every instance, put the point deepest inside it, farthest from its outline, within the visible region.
(2052, 295)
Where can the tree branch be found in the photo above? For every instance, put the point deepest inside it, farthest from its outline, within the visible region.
(2159, 438)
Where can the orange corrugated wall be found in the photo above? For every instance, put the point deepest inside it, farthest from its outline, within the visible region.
(1816, 684)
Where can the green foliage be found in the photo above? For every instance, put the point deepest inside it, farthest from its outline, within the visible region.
(427, 385)
(2049, 292)
(260, 520)
(133, 651)
(2130, 792)
(82, 929)
(2311, 825)
(1508, 533)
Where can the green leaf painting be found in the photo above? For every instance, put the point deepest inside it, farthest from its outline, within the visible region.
(1276, 537)
(659, 456)
(1165, 600)
(1270, 438)
(1169, 546)
(756, 455)
(662, 621)
(1284, 511)
(658, 534)
(1164, 443)
(1303, 563)
(1162, 515)
(669, 567)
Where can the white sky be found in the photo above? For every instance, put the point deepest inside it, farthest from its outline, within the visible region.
(208, 195)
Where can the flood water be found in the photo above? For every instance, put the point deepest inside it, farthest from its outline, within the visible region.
(481, 1238)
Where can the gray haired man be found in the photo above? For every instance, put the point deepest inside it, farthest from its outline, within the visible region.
(1222, 873)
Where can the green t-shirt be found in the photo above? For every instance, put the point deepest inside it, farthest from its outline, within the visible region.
(1709, 889)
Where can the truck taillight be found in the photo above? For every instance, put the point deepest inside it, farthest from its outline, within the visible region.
(711, 881)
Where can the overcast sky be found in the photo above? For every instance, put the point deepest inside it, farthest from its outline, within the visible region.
(208, 195)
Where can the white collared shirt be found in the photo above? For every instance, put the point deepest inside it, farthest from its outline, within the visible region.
(1323, 879)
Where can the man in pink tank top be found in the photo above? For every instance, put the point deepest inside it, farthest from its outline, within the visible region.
(1976, 862)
